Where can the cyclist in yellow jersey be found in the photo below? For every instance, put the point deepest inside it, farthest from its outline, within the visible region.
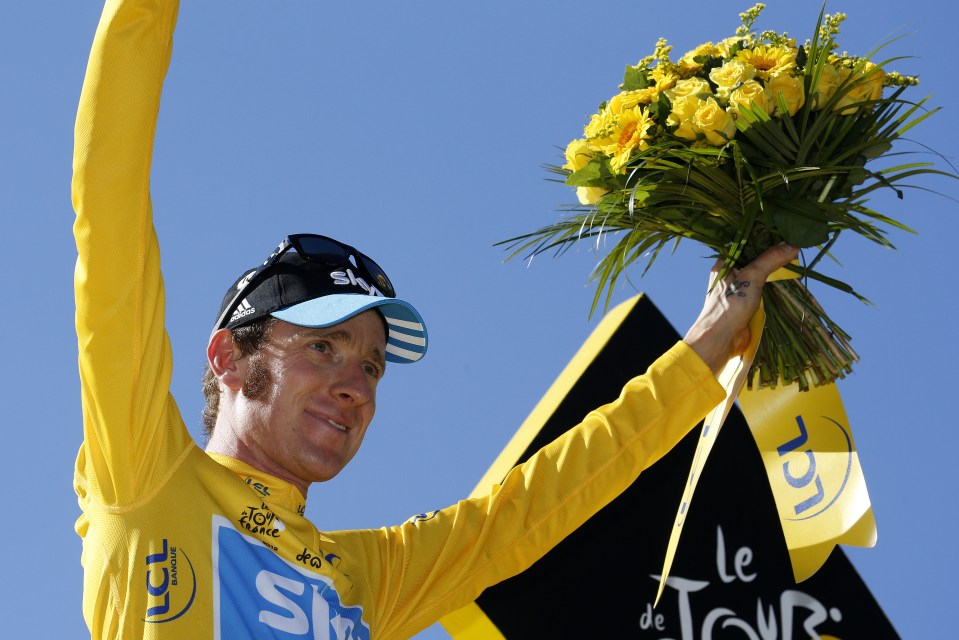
(182, 542)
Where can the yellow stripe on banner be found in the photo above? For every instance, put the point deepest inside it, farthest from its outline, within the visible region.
(813, 469)
(731, 378)
(470, 623)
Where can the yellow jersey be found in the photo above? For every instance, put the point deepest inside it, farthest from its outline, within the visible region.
(179, 543)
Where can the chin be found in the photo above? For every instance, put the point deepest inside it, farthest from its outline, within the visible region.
(325, 472)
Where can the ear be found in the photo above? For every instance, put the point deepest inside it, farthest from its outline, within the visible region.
(225, 361)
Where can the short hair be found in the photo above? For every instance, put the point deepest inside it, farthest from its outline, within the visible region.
(248, 339)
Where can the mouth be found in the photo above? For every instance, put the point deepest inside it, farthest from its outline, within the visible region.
(323, 418)
(336, 425)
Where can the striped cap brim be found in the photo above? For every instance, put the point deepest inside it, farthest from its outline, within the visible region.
(407, 340)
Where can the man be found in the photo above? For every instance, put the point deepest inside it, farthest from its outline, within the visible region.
(179, 542)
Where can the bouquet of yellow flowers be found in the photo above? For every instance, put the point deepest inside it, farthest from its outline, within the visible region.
(739, 145)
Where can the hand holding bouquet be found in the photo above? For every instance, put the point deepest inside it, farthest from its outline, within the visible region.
(742, 144)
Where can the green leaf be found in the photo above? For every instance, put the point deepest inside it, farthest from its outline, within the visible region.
(874, 151)
(800, 222)
(660, 110)
(634, 78)
(594, 174)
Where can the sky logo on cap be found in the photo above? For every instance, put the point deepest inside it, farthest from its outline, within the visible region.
(346, 278)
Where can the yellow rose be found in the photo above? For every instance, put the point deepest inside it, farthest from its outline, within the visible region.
(688, 87)
(732, 73)
(868, 87)
(578, 154)
(724, 46)
(791, 90)
(750, 93)
(629, 99)
(590, 195)
(688, 62)
(684, 110)
(823, 90)
(714, 122)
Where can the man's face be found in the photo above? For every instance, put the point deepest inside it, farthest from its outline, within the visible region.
(310, 395)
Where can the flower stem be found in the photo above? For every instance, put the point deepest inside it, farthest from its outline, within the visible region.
(800, 343)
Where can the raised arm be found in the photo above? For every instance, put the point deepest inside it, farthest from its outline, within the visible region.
(443, 560)
(124, 353)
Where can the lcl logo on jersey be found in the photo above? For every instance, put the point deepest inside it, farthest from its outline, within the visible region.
(423, 517)
(259, 487)
(258, 594)
(803, 469)
(170, 583)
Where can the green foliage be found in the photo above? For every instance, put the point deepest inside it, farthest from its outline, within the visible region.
(635, 78)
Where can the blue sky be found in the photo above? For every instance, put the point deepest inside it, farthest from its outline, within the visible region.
(417, 132)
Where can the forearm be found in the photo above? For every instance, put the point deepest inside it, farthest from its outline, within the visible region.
(586, 468)
(115, 128)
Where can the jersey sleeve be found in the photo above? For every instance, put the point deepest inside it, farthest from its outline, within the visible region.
(132, 431)
(436, 564)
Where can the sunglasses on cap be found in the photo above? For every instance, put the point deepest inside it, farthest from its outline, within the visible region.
(312, 248)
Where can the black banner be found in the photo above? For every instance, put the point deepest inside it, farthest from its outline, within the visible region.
(731, 578)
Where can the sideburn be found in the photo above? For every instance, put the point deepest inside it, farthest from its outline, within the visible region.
(259, 380)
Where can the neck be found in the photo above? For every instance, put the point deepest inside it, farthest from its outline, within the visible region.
(224, 442)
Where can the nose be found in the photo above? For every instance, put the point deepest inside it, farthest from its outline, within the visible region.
(353, 386)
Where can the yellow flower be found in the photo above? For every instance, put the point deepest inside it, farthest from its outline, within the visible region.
(578, 154)
(695, 118)
(869, 79)
(681, 117)
(664, 77)
(714, 122)
(590, 195)
(688, 87)
(629, 99)
(724, 46)
(731, 74)
(823, 90)
(768, 61)
(687, 64)
(599, 124)
(750, 93)
(626, 136)
(790, 88)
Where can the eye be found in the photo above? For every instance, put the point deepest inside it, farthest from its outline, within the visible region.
(373, 370)
(321, 347)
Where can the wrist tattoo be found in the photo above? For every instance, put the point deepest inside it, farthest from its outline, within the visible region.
(736, 287)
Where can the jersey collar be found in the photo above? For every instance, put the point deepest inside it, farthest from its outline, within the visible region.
(269, 488)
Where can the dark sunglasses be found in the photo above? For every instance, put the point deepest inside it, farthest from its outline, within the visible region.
(313, 248)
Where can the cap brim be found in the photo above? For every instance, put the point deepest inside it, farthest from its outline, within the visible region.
(407, 332)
